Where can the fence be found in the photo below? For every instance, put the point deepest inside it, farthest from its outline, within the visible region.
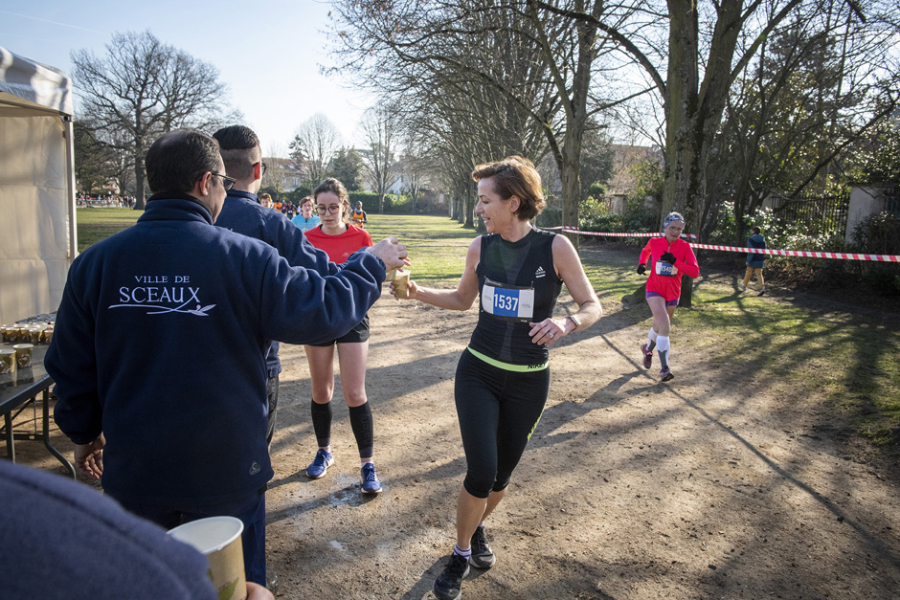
(823, 215)
(892, 200)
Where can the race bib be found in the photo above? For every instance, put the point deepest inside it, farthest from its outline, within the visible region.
(665, 269)
(507, 302)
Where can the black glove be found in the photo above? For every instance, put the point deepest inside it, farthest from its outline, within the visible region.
(641, 269)
(669, 258)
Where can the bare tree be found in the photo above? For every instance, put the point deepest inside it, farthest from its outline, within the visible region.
(381, 129)
(314, 145)
(415, 167)
(142, 88)
(532, 66)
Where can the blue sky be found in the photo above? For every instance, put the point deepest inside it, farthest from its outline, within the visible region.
(268, 52)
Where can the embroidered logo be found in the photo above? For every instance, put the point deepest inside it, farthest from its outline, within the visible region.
(539, 273)
(255, 468)
(162, 294)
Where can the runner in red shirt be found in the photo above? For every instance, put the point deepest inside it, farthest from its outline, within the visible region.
(671, 257)
(339, 239)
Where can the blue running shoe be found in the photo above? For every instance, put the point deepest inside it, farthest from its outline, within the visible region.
(370, 483)
(320, 464)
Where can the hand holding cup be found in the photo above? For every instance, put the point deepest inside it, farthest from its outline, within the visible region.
(391, 252)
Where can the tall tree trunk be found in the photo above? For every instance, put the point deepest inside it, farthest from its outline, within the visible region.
(139, 201)
(684, 176)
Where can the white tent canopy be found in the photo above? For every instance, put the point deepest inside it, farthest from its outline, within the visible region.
(37, 186)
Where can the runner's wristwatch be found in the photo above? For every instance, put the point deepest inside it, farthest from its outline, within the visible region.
(575, 320)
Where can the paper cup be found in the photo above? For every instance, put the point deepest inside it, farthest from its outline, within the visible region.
(24, 352)
(401, 284)
(5, 331)
(34, 335)
(7, 361)
(219, 539)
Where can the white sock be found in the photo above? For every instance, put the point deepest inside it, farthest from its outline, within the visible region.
(651, 340)
(662, 342)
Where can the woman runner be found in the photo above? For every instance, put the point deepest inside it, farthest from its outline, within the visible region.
(339, 240)
(503, 379)
(672, 258)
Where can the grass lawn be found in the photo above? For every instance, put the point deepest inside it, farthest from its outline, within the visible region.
(846, 360)
(95, 224)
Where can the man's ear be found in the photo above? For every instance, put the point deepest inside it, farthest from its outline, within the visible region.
(257, 171)
(201, 188)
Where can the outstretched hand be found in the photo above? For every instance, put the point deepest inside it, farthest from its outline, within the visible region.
(411, 291)
(391, 252)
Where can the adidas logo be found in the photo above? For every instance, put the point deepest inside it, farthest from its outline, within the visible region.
(539, 273)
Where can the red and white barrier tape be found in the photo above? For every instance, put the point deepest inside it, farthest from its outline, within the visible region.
(573, 230)
(802, 253)
(805, 253)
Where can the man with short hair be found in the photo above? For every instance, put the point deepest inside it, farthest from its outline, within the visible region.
(159, 350)
(244, 214)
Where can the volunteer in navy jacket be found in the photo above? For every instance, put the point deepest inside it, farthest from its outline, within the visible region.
(159, 349)
(242, 213)
(56, 519)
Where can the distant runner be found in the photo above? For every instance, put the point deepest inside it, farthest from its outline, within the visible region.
(672, 258)
(358, 216)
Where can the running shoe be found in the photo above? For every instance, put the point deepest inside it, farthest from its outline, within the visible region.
(666, 375)
(448, 585)
(742, 288)
(320, 464)
(482, 555)
(648, 357)
(762, 291)
(370, 483)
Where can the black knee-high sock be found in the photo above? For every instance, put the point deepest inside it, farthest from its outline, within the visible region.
(361, 422)
(321, 418)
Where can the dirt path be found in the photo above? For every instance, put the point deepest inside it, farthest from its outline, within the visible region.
(629, 490)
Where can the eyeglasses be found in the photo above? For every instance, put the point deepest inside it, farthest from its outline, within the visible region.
(227, 182)
(264, 167)
(334, 208)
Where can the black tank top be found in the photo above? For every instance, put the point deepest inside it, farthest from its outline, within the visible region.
(517, 284)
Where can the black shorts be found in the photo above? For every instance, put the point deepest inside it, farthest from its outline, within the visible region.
(357, 335)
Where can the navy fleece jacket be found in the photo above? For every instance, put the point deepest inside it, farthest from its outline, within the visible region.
(756, 260)
(63, 540)
(242, 213)
(160, 341)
